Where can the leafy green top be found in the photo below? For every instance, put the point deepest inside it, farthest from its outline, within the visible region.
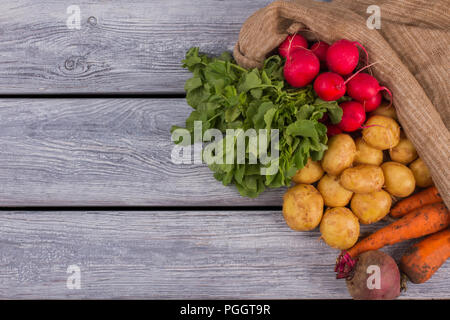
(227, 96)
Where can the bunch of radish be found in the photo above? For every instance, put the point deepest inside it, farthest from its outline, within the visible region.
(338, 77)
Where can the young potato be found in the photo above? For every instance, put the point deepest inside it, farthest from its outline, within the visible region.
(385, 110)
(363, 178)
(310, 173)
(381, 132)
(365, 154)
(302, 207)
(339, 228)
(399, 179)
(340, 154)
(371, 207)
(421, 173)
(404, 152)
(334, 195)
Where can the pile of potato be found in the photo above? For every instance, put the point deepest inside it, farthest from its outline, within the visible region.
(355, 182)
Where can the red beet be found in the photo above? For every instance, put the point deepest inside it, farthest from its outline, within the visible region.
(291, 43)
(375, 277)
(301, 67)
(353, 116)
(329, 86)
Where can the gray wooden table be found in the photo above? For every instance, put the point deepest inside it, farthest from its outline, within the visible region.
(86, 179)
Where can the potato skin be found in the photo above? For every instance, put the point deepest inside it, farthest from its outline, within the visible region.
(381, 132)
(363, 178)
(310, 173)
(404, 152)
(385, 110)
(340, 154)
(421, 173)
(334, 195)
(302, 207)
(389, 281)
(365, 154)
(339, 228)
(371, 207)
(399, 179)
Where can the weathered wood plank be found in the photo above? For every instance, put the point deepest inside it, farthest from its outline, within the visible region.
(123, 46)
(102, 152)
(184, 255)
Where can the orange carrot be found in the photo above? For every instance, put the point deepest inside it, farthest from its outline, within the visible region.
(424, 258)
(420, 199)
(419, 222)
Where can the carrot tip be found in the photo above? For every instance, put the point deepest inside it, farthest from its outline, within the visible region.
(345, 265)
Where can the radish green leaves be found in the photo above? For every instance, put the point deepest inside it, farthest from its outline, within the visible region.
(227, 96)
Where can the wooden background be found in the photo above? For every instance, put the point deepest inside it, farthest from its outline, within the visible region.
(85, 171)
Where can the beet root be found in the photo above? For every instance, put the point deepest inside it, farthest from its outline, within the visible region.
(374, 277)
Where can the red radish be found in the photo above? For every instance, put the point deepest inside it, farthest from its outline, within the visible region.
(363, 86)
(291, 43)
(332, 130)
(372, 103)
(324, 118)
(329, 86)
(347, 76)
(343, 56)
(320, 49)
(301, 67)
(353, 116)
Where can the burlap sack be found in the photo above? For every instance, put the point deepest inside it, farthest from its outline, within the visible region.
(412, 48)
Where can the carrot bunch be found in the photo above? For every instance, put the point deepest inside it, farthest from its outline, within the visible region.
(421, 214)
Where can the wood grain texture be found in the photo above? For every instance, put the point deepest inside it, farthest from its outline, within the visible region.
(123, 46)
(103, 152)
(174, 255)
